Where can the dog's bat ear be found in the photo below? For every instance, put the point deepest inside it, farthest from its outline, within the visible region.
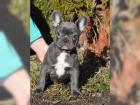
(81, 23)
(56, 18)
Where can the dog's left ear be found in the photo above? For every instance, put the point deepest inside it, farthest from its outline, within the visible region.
(81, 23)
(56, 18)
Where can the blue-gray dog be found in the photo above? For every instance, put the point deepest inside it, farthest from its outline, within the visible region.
(61, 60)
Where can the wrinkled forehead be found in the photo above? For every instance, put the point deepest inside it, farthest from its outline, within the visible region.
(68, 28)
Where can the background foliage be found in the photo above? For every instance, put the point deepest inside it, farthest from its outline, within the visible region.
(21, 9)
(68, 8)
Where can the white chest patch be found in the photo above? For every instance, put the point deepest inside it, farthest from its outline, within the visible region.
(61, 64)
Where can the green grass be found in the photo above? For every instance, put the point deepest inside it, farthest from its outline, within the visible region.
(99, 83)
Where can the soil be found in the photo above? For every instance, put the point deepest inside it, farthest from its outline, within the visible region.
(41, 99)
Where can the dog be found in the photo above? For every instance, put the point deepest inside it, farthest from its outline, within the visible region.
(61, 60)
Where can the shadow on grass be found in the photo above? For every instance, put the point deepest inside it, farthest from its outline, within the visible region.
(89, 67)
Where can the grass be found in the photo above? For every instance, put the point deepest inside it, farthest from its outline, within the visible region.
(95, 90)
(99, 83)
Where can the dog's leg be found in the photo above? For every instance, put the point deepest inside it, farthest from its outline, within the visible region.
(75, 82)
(44, 76)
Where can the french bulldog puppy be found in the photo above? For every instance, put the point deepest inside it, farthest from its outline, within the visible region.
(61, 60)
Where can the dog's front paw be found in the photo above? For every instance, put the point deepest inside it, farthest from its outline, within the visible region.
(76, 93)
(39, 89)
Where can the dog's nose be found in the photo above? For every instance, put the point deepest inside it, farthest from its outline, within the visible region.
(65, 40)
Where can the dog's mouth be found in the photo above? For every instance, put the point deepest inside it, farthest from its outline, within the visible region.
(65, 48)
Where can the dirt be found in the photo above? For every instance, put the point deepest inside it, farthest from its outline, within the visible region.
(41, 99)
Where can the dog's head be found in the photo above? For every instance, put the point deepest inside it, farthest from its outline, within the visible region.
(67, 33)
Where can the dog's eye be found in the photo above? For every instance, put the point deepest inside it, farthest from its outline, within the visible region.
(58, 34)
(74, 37)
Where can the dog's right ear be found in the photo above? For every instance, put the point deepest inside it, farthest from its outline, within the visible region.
(56, 18)
(81, 23)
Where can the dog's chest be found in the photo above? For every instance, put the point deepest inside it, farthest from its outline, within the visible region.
(61, 64)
